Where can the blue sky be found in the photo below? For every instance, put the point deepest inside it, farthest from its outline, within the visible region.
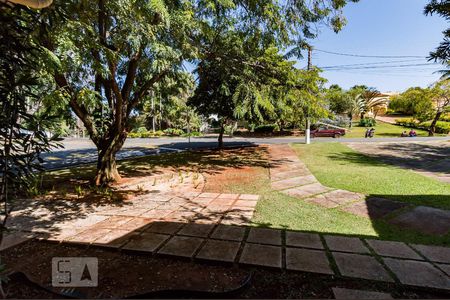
(382, 28)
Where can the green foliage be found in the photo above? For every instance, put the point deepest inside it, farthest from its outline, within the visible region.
(441, 127)
(442, 53)
(408, 122)
(23, 135)
(173, 132)
(415, 101)
(367, 122)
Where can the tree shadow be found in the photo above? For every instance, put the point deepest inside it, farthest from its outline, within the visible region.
(423, 157)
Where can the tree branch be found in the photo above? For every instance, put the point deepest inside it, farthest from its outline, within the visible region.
(144, 89)
(78, 108)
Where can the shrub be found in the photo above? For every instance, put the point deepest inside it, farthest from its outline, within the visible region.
(269, 128)
(367, 122)
(408, 122)
(441, 127)
(173, 131)
(134, 135)
(141, 130)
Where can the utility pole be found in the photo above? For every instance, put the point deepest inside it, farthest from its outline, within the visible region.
(308, 124)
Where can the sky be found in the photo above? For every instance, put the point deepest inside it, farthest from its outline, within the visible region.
(381, 28)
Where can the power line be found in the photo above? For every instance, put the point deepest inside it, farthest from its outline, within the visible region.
(370, 56)
(378, 67)
(371, 63)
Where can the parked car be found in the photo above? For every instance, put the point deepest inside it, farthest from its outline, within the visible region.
(327, 132)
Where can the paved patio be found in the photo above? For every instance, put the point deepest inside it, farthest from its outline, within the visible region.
(291, 176)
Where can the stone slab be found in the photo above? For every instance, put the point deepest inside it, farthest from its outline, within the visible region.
(183, 246)
(374, 208)
(307, 190)
(424, 219)
(314, 261)
(345, 244)
(146, 242)
(418, 273)
(12, 239)
(225, 251)
(302, 239)
(138, 224)
(264, 236)
(341, 293)
(261, 255)
(195, 229)
(248, 197)
(445, 268)
(228, 232)
(228, 196)
(361, 266)
(434, 253)
(288, 174)
(246, 203)
(293, 182)
(113, 222)
(393, 249)
(89, 236)
(165, 227)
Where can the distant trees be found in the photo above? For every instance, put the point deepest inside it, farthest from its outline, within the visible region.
(416, 101)
(359, 100)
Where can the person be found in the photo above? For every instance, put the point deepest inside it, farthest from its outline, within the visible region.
(371, 132)
(412, 133)
(404, 134)
(367, 133)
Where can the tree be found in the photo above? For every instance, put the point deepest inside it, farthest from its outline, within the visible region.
(442, 53)
(370, 100)
(111, 54)
(22, 134)
(415, 101)
(441, 97)
(239, 48)
(340, 101)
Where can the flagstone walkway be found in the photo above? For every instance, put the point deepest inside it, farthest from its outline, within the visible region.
(291, 176)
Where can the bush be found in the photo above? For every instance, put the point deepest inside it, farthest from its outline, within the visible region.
(445, 119)
(367, 122)
(269, 128)
(441, 127)
(141, 130)
(408, 122)
(173, 131)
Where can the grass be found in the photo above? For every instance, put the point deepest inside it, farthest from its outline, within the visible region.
(336, 165)
(382, 129)
(274, 209)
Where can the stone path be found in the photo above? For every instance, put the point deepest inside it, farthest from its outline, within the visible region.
(291, 176)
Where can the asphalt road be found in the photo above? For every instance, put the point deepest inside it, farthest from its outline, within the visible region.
(82, 151)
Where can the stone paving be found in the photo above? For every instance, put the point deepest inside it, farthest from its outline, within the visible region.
(291, 176)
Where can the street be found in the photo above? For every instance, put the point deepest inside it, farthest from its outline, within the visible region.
(82, 151)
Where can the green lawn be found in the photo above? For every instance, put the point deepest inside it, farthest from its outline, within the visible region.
(336, 165)
(382, 130)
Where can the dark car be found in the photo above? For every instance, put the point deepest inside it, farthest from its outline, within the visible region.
(327, 132)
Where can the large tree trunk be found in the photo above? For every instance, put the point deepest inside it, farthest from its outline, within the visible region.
(221, 132)
(432, 128)
(106, 164)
